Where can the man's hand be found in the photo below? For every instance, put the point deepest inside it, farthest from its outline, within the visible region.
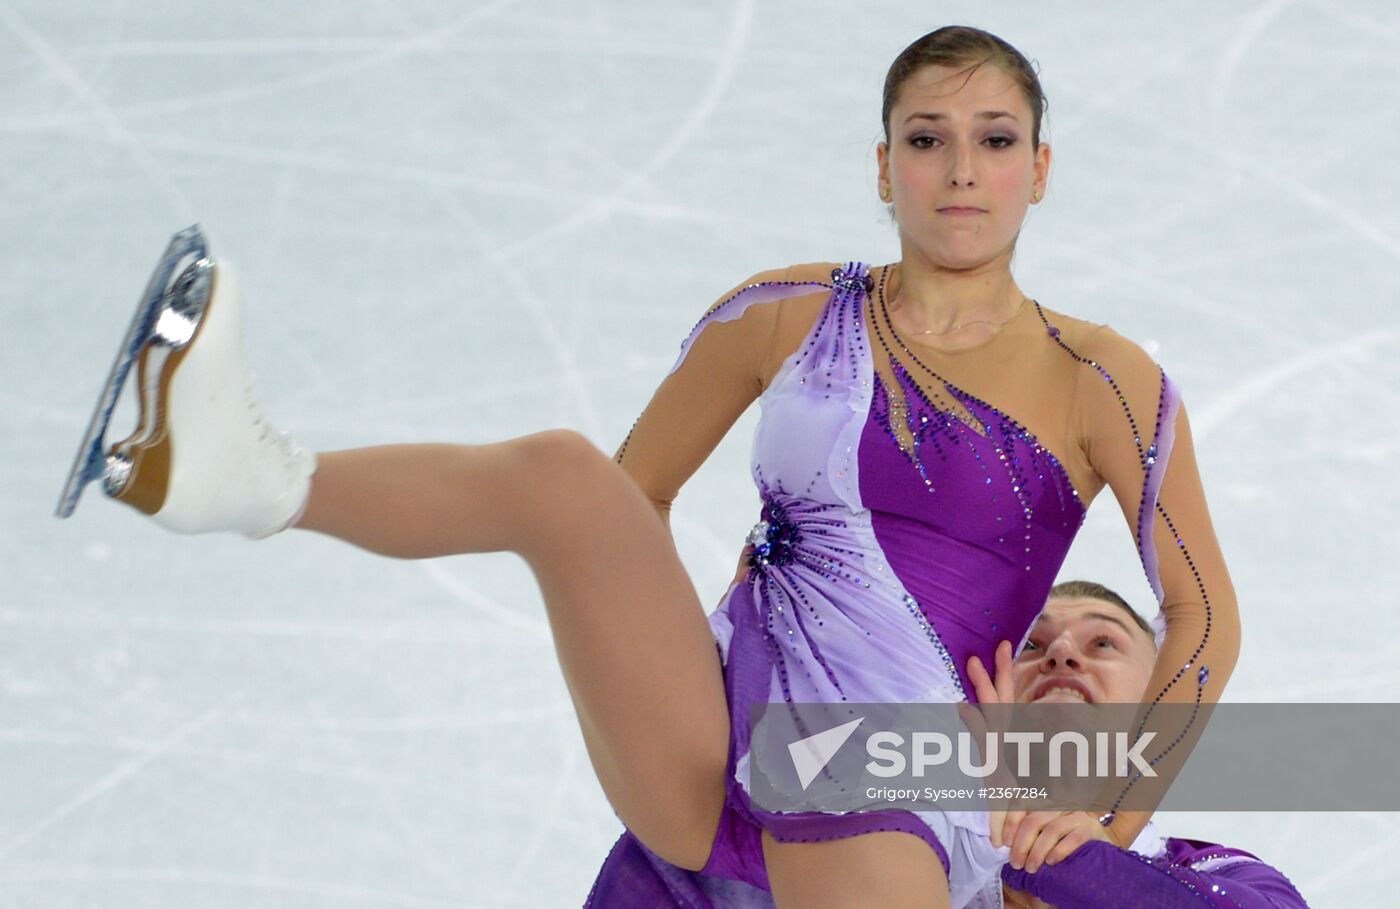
(1000, 690)
(1038, 837)
(1049, 837)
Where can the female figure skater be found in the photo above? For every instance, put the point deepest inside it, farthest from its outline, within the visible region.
(930, 440)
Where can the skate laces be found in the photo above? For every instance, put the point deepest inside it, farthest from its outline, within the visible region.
(268, 435)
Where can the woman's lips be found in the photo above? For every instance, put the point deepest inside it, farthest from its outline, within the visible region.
(961, 211)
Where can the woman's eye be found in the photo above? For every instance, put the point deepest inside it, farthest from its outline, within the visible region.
(996, 142)
(1030, 645)
(1105, 642)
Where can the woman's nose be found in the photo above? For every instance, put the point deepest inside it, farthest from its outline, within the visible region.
(962, 172)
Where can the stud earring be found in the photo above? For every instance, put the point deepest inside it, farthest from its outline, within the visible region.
(885, 194)
(1035, 196)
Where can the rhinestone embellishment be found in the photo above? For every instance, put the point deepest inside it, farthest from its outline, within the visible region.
(774, 539)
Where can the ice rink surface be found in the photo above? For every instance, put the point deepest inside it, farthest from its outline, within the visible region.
(468, 221)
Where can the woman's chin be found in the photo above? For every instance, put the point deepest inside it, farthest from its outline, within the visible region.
(961, 254)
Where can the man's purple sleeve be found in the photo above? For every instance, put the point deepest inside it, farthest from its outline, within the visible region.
(1100, 875)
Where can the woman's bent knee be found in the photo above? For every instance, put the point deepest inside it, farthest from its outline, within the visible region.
(559, 449)
(562, 468)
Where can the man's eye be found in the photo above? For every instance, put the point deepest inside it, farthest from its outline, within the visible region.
(1105, 641)
(1030, 645)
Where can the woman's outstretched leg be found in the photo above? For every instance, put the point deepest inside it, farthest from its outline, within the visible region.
(633, 642)
(636, 651)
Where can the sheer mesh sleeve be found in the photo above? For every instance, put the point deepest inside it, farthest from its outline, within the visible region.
(721, 370)
(1138, 440)
(1098, 875)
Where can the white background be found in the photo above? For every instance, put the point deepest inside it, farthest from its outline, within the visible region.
(467, 221)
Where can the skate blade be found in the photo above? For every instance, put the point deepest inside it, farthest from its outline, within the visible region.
(138, 467)
(164, 323)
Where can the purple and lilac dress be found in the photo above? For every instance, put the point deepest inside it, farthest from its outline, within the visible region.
(908, 523)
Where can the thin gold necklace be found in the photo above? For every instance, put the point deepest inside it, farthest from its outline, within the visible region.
(948, 331)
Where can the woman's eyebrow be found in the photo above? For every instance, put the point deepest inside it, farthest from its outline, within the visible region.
(938, 115)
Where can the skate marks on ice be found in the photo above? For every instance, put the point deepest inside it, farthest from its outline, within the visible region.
(113, 125)
(100, 787)
(1204, 182)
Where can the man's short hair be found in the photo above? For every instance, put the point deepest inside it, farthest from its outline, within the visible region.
(1093, 591)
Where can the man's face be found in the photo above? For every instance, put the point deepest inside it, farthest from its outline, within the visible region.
(1082, 649)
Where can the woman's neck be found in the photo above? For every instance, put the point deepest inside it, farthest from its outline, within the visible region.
(939, 299)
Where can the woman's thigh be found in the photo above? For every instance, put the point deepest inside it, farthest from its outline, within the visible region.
(631, 634)
(636, 651)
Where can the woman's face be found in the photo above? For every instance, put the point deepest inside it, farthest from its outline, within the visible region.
(961, 143)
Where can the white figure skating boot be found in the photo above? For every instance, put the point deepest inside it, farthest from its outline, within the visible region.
(202, 457)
